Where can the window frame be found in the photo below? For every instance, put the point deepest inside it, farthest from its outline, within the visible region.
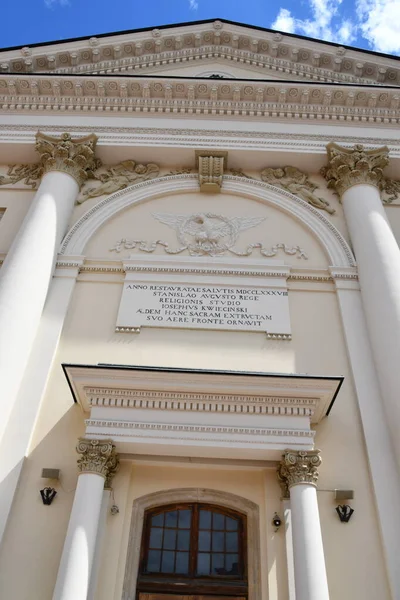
(236, 584)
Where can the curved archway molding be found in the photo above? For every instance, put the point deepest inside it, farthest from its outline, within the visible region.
(330, 239)
(206, 496)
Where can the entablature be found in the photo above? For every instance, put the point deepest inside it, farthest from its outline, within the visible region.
(195, 411)
(199, 97)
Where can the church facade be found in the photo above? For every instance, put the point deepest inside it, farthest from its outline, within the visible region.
(199, 318)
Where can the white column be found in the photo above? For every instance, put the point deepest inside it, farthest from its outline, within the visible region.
(382, 460)
(16, 439)
(356, 175)
(94, 577)
(28, 267)
(287, 519)
(97, 462)
(300, 469)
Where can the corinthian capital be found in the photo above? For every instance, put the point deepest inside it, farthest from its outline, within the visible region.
(299, 466)
(97, 456)
(73, 156)
(353, 166)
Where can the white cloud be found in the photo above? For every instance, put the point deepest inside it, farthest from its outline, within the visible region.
(380, 24)
(284, 21)
(377, 21)
(193, 5)
(320, 24)
(54, 3)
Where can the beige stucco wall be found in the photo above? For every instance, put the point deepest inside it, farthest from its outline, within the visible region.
(35, 533)
(16, 203)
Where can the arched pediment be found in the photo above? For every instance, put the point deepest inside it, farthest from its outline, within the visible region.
(328, 237)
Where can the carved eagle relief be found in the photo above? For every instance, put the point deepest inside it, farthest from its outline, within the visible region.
(207, 233)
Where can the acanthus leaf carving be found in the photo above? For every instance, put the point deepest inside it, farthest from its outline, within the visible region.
(73, 156)
(354, 166)
(299, 466)
(97, 456)
(297, 183)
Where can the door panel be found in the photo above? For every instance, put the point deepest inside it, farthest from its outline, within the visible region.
(158, 596)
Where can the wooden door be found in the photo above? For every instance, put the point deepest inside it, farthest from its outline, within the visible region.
(160, 596)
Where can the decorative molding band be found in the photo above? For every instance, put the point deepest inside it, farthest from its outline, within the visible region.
(201, 402)
(101, 269)
(300, 101)
(197, 138)
(316, 278)
(279, 336)
(262, 51)
(198, 271)
(206, 429)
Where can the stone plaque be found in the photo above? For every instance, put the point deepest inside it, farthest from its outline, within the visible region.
(206, 306)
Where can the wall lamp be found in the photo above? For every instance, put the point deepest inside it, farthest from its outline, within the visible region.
(49, 493)
(344, 511)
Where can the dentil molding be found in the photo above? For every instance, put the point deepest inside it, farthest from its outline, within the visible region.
(157, 49)
(191, 96)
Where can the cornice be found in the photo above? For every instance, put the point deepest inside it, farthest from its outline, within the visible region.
(109, 134)
(265, 51)
(199, 98)
(200, 402)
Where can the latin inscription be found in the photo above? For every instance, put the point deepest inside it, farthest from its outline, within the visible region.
(205, 307)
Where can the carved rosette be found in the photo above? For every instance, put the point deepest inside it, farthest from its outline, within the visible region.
(299, 466)
(73, 156)
(353, 166)
(99, 457)
(211, 170)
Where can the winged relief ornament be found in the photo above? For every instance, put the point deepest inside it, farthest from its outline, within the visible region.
(207, 234)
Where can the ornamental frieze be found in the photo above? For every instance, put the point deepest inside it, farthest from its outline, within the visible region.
(207, 234)
(262, 50)
(297, 183)
(291, 101)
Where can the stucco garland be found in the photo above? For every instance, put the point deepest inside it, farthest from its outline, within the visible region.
(206, 496)
(329, 237)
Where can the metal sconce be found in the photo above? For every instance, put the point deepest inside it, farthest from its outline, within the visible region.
(276, 521)
(344, 511)
(48, 494)
(114, 510)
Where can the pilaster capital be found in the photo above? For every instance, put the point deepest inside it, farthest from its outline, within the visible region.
(354, 166)
(73, 156)
(99, 457)
(299, 466)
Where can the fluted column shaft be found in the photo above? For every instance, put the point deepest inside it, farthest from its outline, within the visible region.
(300, 470)
(357, 176)
(28, 267)
(98, 462)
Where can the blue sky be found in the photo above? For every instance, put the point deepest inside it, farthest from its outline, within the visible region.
(370, 24)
